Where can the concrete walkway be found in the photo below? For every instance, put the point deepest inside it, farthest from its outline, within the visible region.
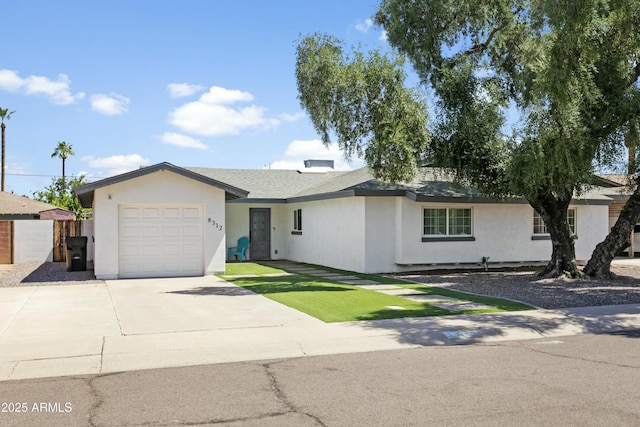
(151, 323)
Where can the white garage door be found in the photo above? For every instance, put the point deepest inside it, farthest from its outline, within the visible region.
(160, 241)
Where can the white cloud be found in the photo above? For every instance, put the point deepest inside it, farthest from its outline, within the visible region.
(383, 36)
(285, 117)
(213, 114)
(300, 150)
(221, 96)
(182, 141)
(364, 26)
(115, 165)
(180, 90)
(111, 105)
(10, 81)
(58, 91)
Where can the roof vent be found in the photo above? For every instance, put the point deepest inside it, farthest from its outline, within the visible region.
(318, 163)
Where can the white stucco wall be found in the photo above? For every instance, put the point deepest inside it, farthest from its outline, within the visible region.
(32, 241)
(592, 227)
(384, 234)
(333, 233)
(502, 232)
(380, 234)
(88, 230)
(162, 187)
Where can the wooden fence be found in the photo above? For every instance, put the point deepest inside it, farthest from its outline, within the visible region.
(61, 230)
(6, 242)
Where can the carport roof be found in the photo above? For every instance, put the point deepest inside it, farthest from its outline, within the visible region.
(85, 193)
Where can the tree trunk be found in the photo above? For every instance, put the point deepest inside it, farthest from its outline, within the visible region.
(553, 211)
(599, 266)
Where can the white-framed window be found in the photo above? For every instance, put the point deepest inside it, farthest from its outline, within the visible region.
(539, 227)
(297, 220)
(447, 222)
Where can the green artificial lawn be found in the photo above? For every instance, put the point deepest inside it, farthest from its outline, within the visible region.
(331, 301)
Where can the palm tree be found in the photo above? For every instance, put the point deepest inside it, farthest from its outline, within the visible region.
(4, 114)
(63, 151)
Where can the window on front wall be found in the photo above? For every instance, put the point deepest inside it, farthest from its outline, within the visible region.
(539, 227)
(447, 222)
(297, 220)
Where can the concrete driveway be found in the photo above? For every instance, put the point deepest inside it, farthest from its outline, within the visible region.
(151, 323)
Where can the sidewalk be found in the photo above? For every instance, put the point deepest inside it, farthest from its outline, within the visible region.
(153, 323)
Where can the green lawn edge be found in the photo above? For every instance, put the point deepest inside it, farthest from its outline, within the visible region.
(331, 301)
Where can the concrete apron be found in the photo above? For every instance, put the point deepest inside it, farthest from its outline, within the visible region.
(152, 323)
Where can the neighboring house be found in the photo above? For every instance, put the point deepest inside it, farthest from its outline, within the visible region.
(25, 235)
(18, 207)
(164, 220)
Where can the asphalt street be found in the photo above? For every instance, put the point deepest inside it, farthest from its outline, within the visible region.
(585, 380)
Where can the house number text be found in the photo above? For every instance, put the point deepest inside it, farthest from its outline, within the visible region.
(215, 223)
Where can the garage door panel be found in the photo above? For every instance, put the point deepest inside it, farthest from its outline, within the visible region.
(171, 250)
(171, 213)
(129, 250)
(191, 250)
(151, 250)
(160, 241)
(171, 231)
(129, 212)
(191, 213)
(191, 231)
(150, 213)
(151, 231)
(128, 231)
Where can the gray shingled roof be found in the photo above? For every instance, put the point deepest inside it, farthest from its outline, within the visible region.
(273, 183)
(429, 183)
(278, 184)
(286, 184)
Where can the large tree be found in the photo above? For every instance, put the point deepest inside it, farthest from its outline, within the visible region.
(63, 151)
(529, 94)
(4, 114)
(623, 230)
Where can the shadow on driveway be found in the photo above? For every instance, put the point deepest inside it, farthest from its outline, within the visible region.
(470, 329)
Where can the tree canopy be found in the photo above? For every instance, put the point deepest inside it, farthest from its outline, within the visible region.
(60, 193)
(530, 96)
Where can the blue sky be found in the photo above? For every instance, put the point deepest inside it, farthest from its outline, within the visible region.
(134, 83)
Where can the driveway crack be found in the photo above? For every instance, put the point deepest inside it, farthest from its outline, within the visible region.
(115, 312)
(282, 397)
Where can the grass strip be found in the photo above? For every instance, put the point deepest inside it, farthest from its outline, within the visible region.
(331, 301)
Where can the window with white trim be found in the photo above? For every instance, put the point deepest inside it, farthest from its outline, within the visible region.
(447, 222)
(539, 227)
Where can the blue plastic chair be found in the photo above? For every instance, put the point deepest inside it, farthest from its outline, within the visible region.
(240, 250)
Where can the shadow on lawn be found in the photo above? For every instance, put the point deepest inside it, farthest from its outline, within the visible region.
(213, 290)
(301, 283)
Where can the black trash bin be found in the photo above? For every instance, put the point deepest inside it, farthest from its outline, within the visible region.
(76, 253)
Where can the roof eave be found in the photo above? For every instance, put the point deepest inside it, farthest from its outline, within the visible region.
(86, 192)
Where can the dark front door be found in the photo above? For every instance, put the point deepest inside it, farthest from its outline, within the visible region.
(260, 226)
